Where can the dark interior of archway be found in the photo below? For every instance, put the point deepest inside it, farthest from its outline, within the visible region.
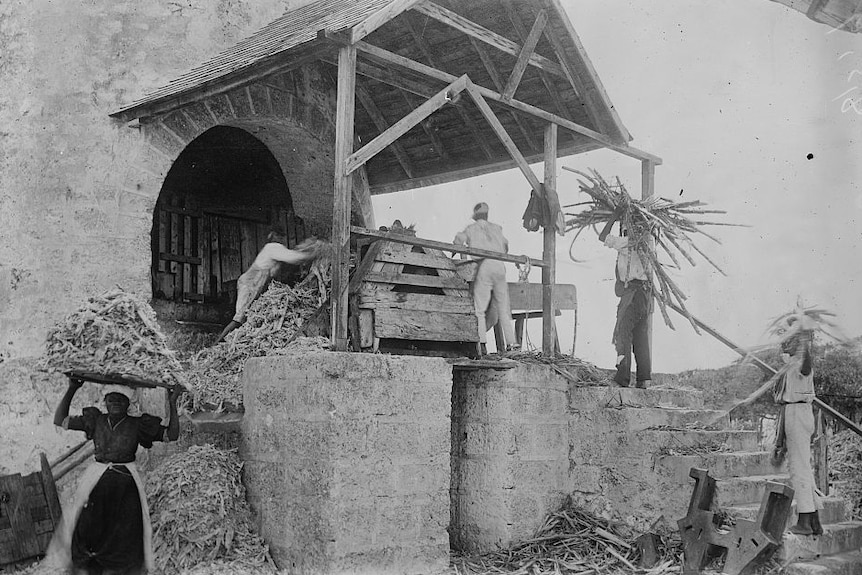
(222, 196)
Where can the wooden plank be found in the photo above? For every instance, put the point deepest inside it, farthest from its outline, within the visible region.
(163, 230)
(415, 280)
(365, 266)
(425, 243)
(524, 56)
(231, 262)
(342, 191)
(180, 258)
(401, 61)
(425, 325)
(430, 132)
(187, 252)
(204, 253)
(380, 18)
(504, 137)
(248, 243)
(174, 239)
(482, 34)
(382, 125)
(406, 123)
(372, 299)
(366, 328)
(14, 506)
(183, 211)
(215, 257)
(49, 488)
(528, 296)
(390, 78)
(549, 246)
(417, 259)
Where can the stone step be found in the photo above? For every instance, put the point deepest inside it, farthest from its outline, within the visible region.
(720, 465)
(837, 538)
(737, 491)
(833, 511)
(589, 397)
(849, 563)
(687, 439)
(665, 418)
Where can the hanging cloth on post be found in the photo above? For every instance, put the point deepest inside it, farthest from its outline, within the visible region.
(537, 212)
(534, 215)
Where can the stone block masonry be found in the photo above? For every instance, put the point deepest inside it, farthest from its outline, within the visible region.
(347, 461)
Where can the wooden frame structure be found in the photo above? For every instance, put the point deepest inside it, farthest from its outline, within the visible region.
(477, 87)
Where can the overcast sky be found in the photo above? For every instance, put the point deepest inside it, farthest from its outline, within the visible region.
(733, 97)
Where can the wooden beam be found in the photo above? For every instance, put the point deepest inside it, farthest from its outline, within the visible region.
(382, 125)
(647, 179)
(388, 77)
(403, 125)
(527, 297)
(416, 280)
(498, 85)
(344, 112)
(549, 245)
(526, 51)
(380, 18)
(482, 34)
(508, 143)
(395, 59)
(465, 117)
(475, 252)
(436, 142)
(518, 25)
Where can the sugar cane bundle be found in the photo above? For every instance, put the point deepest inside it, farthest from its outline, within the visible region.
(652, 223)
(809, 320)
(115, 332)
(273, 321)
(199, 513)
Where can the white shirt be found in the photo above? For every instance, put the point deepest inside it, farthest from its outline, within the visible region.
(629, 264)
(483, 235)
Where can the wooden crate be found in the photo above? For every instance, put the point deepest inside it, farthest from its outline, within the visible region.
(29, 512)
(410, 300)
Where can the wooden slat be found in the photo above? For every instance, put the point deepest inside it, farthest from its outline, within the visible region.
(204, 252)
(528, 296)
(396, 60)
(430, 132)
(504, 137)
(180, 258)
(174, 239)
(425, 243)
(15, 507)
(484, 35)
(163, 229)
(229, 242)
(549, 245)
(372, 299)
(187, 252)
(344, 131)
(417, 259)
(425, 325)
(380, 18)
(390, 78)
(382, 125)
(365, 266)
(215, 256)
(526, 52)
(405, 124)
(49, 488)
(183, 211)
(415, 280)
(365, 323)
(248, 243)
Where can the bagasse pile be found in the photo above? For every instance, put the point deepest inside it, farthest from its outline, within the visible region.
(115, 332)
(273, 322)
(199, 514)
(652, 223)
(845, 469)
(577, 371)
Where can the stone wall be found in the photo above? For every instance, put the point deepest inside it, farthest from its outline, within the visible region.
(347, 461)
(78, 188)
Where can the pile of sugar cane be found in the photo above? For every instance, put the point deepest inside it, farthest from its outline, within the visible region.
(115, 332)
(651, 223)
(199, 514)
(272, 327)
(573, 369)
(845, 469)
(571, 541)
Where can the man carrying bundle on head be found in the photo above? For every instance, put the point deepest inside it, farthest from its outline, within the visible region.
(107, 531)
(266, 265)
(632, 286)
(794, 392)
(490, 287)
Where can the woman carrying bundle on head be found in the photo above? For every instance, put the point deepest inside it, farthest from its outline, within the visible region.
(107, 531)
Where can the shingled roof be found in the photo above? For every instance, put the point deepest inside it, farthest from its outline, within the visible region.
(487, 40)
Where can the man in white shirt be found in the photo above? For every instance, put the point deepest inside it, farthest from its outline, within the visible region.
(631, 331)
(490, 286)
(254, 281)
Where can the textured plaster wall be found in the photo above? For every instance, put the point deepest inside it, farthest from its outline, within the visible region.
(347, 461)
(76, 187)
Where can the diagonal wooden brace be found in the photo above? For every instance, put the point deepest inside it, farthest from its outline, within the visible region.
(743, 542)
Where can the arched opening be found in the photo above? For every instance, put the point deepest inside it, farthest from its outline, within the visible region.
(222, 196)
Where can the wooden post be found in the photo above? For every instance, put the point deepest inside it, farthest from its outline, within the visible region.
(549, 245)
(647, 190)
(342, 196)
